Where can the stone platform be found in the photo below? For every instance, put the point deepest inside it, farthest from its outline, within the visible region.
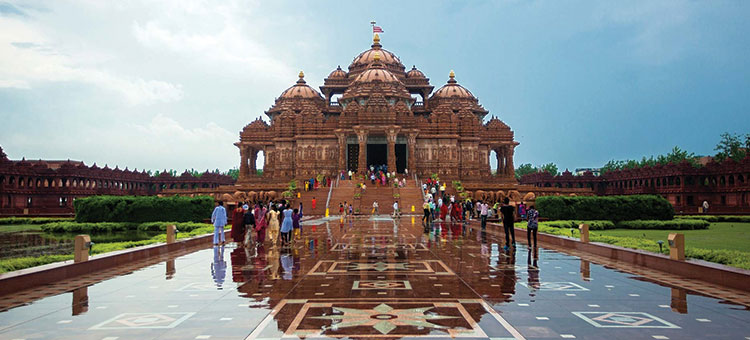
(375, 278)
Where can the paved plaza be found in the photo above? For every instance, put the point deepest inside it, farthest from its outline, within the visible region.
(373, 278)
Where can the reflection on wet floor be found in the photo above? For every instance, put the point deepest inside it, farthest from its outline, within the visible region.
(376, 278)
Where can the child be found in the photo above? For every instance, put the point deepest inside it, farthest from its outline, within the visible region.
(533, 224)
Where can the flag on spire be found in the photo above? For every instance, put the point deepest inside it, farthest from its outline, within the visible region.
(377, 29)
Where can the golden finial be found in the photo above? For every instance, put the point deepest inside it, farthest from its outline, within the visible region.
(301, 74)
(376, 39)
(376, 57)
(452, 74)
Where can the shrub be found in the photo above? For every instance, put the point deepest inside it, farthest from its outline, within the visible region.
(716, 218)
(676, 224)
(108, 227)
(32, 220)
(593, 225)
(143, 208)
(611, 208)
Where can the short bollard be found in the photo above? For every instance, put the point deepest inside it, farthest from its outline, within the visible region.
(677, 247)
(171, 231)
(81, 249)
(412, 208)
(326, 212)
(584, 228)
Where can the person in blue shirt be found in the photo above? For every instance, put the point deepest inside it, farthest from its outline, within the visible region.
(219, 219)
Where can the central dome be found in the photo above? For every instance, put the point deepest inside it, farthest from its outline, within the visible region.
(364, 59)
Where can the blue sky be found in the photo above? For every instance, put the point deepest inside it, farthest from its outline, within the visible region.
(170, 84)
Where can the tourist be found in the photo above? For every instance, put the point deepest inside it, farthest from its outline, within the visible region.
(219, 219)
(260, 223)
(238, 225)
(364, 187)
(508, 213)
(443, 210)
(351, 210)
(296, 216)
(433, 209)
(396, 212)
(286, 227)
(375, 207)
(341, 209)
(249, 221)
(307, 186)
(483, 207)
(705, 207)
(372, 178)
(350, 175)
(426, 208)
(522, 210)
(314, 203)
(533, 224)
(273, 224)
(300, 210)
(495, 207)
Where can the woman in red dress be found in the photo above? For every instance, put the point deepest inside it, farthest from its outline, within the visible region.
(238, 225)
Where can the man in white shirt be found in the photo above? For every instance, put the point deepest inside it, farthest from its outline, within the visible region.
(375, 207)
(396, 211)
(483, 210)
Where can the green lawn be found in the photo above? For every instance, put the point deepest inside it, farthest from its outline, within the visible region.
(14, 228)
(720, 235)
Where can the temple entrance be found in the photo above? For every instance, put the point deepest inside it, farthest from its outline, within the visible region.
(352, 157)
(377, 154)
(400, 158)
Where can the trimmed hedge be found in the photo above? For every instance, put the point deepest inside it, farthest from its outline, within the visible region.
(108, 227)
(715, 218)
(32, 220)
(139, 209)
(611, 208)
(676, 224)
(593, 225)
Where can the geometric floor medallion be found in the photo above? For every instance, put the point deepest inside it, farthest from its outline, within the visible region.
(143, 321)
(381, 284)
(555, 286)
(624, 320)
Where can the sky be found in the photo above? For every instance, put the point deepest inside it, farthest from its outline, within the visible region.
(169, 84)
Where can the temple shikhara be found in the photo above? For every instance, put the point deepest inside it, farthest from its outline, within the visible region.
(377, 113)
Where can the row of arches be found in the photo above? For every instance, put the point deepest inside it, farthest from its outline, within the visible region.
(21, 182)
(677, 181)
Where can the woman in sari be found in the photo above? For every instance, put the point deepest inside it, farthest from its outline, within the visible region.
(238, 224)
(260, 223)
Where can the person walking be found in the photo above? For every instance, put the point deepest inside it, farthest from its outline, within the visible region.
(286, 227)
(426, 208)
(375, 207)
(296, 216)
(396, 212)
(532, 226)
(508, 212)
(260, 223)
(273, 224)
(249, 221)
(238, 225)
(705, 207)
(219, 219)
(314, 203)
(483, 214)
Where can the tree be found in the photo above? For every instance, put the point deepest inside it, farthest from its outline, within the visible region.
(525, 169)
(731, 146)
(551, 168)
(234, 173)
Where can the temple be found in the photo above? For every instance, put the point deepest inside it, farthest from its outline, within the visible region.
(377, 113)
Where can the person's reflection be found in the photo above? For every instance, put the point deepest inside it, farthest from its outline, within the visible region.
(287, 264)
(273, 261)
(508, 284)
(455, 230)
(219, 266)
(533, 271)
(484, 249)
(239, 257)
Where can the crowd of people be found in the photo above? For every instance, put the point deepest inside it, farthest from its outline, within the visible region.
(253, 222)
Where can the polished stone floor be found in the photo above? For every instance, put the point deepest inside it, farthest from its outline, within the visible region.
(373, 278)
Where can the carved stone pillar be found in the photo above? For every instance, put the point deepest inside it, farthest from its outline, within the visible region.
(511, 171)
(342, 151)
(411, 158)
(253, 160)
(499, 169)
(243, 162)
(391, 134)
(362, 139)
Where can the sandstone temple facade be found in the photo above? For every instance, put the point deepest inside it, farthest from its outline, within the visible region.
(377, 113)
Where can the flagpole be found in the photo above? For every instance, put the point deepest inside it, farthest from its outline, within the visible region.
(372, 30)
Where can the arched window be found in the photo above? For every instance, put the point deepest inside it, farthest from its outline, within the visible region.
(731, 179)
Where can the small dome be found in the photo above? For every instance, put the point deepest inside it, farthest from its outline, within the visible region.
(452, 89)
(301, 90)
(376, 74)
(414, 73)
(338, 73)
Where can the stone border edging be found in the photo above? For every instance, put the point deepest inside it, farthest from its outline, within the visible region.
(41, 275)
(715, 273)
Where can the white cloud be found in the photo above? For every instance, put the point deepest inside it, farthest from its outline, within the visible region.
(28, 57)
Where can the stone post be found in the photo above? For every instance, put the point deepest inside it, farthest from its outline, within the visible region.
(253, 159)
(511, 171)
(171, 231)
(81, 248)
(677, 247)
(584, 229)
(500, 157)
